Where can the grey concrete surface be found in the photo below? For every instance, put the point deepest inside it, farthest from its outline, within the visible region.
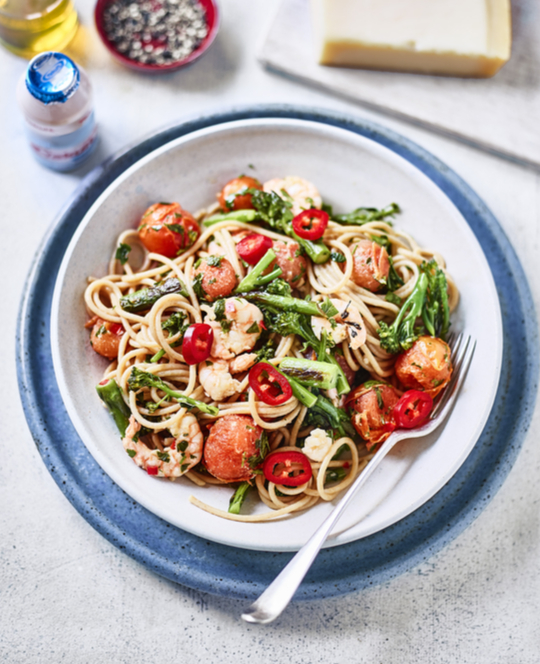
(67, 595)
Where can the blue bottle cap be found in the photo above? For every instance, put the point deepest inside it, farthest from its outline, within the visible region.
(52, 77)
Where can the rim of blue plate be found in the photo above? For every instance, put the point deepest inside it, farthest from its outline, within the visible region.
(238, 573)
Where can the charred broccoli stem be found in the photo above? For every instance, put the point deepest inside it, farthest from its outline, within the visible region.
(310, 372)
(146, 297)
(285, 304)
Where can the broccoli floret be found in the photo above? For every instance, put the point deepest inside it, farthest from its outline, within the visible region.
(278, 287)
(272, 208)
(428, 301)
(436, 313)
(325, 415)
(275, 211)
(403, 333)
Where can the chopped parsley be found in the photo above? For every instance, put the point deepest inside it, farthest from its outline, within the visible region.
(122, 252)
(176, 228)
(214, 261)
(198, 287)
(337, 257)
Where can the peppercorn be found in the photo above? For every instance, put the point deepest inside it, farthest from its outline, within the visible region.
(155, 32)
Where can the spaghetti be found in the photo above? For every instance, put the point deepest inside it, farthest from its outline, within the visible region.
(170, 418)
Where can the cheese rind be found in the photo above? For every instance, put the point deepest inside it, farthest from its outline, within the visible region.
(449, 37)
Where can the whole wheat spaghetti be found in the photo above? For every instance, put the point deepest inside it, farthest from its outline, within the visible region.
(205, 419)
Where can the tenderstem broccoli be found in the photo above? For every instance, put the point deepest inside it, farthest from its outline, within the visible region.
(436, 313)
(139, 380)
(276, 212)
(329, 417)
(238, 498)
(428, 302)
(256, 279)
(111, 395)
(364, 215)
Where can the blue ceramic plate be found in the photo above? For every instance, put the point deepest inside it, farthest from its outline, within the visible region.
(212, 567)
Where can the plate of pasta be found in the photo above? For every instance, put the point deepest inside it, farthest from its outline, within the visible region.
(258, 305)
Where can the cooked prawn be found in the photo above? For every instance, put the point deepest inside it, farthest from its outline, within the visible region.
(215, 375)
(182, 453)
(238, 331)
(216, 379)
(347, 324)
(303, 193)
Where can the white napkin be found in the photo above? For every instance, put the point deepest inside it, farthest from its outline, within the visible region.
(501, 114)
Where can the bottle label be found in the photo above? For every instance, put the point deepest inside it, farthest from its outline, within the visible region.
(66, 151)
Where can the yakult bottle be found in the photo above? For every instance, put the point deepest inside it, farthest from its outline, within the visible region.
(56, 99)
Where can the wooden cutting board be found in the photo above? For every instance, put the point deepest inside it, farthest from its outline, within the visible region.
(500, 114)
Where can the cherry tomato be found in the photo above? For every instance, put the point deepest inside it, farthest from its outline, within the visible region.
(218, 278)
(310, 224)
(287, 468)
(293, 265)
(230, 451)
(413, 409)
(167, 229)
(425, 366)
(269, 385)
(197, 343)
(372, 404)
(230, 197)
(105, 337)
(253, 247)
(370, 265)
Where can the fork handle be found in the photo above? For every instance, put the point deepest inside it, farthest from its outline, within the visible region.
(279, 593)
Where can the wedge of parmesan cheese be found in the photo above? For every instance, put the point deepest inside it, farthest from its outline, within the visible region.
(448, 37)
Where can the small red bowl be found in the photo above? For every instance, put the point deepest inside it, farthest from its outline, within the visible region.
(212, 17)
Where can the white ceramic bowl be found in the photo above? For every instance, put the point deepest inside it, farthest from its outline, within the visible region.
(349, 170)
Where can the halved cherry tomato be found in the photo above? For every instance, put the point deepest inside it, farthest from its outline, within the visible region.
(197, 343)
(310, 224)
(287, 468)
(413, 409)
(269, 385)
(253, 247)
(168, 229)
(232, 196)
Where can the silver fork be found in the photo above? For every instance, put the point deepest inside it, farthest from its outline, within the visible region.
(279, 593)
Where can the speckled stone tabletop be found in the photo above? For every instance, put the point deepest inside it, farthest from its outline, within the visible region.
(67, 595)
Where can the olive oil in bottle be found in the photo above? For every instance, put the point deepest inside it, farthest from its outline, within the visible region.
(28, 27)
